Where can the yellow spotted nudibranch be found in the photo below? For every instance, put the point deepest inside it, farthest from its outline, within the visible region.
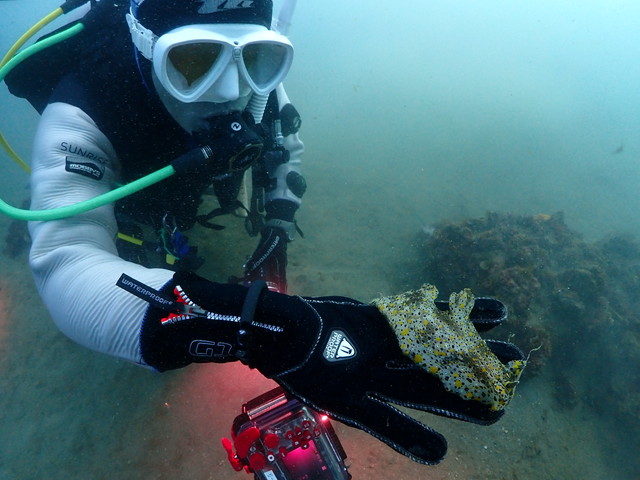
(447, 345)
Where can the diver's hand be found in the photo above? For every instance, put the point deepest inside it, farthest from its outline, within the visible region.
(355, 372)
(343, 357)
(269, 261)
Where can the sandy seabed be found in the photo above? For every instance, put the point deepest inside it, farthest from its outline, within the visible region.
(68, 413)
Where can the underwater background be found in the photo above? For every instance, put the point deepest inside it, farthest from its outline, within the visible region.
(493, 145)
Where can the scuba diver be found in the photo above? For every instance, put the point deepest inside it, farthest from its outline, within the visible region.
(170, 81)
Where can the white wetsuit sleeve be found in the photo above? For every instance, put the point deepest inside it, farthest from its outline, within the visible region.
(74, 261)
(296, 148)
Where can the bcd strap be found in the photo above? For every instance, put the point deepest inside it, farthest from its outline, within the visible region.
(217, 212)
(246, 317)
(259, 176)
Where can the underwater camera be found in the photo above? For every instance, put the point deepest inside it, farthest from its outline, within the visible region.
(279, 438)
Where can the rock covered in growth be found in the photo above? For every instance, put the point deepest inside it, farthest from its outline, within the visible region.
(575, 302)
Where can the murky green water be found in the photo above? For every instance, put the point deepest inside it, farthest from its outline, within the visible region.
(412, 114)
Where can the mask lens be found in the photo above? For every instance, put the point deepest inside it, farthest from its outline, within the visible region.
(264, 62)
(194, 60)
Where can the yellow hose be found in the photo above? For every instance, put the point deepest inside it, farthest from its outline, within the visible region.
(13, 154)
(29, 33)
(9, 55)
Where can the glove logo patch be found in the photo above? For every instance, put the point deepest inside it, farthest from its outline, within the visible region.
(206, 348)
(339, 347)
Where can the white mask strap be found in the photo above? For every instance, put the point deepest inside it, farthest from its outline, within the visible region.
(143, 38)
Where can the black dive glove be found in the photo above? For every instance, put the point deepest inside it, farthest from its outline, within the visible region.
(269, 260)
(335, 354)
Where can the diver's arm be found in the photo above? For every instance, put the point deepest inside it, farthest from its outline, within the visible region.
(282, 198)
(74, 261)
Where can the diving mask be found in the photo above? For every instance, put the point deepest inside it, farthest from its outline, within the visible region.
(190, 61)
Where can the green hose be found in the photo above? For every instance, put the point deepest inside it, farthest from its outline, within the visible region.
(81, 207)
(38, 46)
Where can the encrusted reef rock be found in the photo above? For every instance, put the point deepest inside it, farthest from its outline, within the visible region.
(576, 300)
